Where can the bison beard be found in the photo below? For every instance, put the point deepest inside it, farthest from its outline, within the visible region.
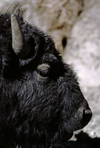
(41, 103)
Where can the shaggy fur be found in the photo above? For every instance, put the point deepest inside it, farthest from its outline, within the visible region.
(38, 107)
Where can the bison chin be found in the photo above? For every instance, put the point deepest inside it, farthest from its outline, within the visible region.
(62, 136)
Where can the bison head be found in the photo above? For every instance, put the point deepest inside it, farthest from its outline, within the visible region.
(40, 99)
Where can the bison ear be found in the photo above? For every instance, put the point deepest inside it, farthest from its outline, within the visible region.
(18, 42)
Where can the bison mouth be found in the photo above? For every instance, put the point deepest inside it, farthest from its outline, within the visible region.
(66, 137)
(62, 137)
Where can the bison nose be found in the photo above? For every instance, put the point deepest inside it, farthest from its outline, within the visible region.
(85, 115)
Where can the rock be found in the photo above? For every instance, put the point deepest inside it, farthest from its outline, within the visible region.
(89, 3)
(54, 17)
(83, 53)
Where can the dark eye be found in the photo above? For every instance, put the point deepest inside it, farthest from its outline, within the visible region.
(43, 69)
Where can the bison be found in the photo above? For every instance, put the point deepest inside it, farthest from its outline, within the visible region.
(41, 103)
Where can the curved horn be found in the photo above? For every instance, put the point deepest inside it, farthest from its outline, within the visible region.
(17, 38)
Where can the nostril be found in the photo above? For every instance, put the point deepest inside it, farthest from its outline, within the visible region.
(87, 114)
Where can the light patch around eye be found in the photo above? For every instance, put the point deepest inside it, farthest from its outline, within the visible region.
(43, 70)
(43, 67)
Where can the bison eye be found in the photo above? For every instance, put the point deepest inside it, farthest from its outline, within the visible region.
(43, 70)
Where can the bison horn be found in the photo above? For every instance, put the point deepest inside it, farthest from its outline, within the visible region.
(18, 43)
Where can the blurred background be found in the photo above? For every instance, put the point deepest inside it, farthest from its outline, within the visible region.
(75, 28)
